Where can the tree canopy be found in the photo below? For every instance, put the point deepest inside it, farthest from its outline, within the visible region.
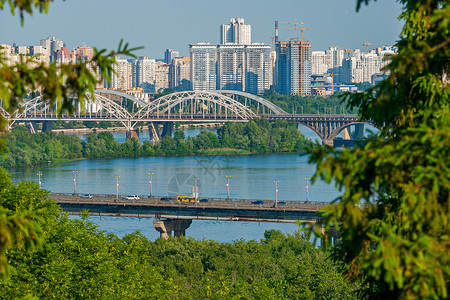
(393, 216)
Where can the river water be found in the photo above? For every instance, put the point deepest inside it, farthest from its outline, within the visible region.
(252, 177)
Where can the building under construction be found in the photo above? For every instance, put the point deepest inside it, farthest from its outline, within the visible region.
(293, 65)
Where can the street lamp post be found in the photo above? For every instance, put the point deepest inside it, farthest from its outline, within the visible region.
(276, 192)
(151, 188)
(195, 191)
(39, 174)
(117, 186)
(75, 181)
(307, 193)
(228, 186)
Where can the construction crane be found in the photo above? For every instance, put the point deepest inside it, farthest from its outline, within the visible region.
(367, 44)
(332, 82)
(273, 42)
(295, 23)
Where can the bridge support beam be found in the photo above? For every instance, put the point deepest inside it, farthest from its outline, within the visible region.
(359, 132)
(346, 134)
(153, 133)
(47, 126)
(132, 134)
(32, 127)
(167, 129)
(178, 226)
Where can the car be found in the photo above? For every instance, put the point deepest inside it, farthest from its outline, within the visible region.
(258, 202)
(279, 203)
(87, 196)
(133, 197)
(204, 200)
(165, 199)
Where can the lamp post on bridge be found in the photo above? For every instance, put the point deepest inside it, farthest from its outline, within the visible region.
(151, 188)
(276, 192)
(75, 181)
(228, 186)
(195, 189)
(307, 193)
(39, 174)
(117, 186)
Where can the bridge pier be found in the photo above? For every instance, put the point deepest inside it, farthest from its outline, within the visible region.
(178, 226)
(328, 142)
(132, 134)
(167, 129)
(47, 126)
(153, 133)
(331, 238)
(359, 132)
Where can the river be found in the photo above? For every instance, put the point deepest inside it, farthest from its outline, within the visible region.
(252, 177)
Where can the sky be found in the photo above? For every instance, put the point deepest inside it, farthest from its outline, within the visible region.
(158, 25)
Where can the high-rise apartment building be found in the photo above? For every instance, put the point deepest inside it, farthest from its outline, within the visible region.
(161, 76)
(236, 32)
(320, 62)
(52, 44)
(170, 54)
(203, 66)
(84, 53)
(180, 74)
(293, 71)
(123, 78)
(144, 74)
(231, 67)
(258, 68)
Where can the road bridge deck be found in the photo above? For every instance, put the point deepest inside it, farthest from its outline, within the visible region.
(214, 209)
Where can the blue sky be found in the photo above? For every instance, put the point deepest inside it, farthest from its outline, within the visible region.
(158, 25)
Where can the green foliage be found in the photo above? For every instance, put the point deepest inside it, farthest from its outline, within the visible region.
(309, 105)
(258, 136)
(394, 214)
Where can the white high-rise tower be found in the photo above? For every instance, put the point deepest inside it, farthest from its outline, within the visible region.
(236, 32)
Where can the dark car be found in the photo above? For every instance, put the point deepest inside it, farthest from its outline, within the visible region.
(280, 203)
(204, 200)
(258, 202)
(87, 196)
(165, 199)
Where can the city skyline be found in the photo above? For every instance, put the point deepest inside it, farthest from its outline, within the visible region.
(330, 23)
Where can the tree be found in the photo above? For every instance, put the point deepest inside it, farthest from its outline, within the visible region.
(393, 216)
(65, 85)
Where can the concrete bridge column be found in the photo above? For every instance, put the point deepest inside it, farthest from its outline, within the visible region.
(167, 129)
(132, 134)
(178, 226)
(47, 126)
(359, 132)
(328, 142)
(331, 237)
(153, 132)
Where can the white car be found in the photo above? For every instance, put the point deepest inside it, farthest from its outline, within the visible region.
(133, 197)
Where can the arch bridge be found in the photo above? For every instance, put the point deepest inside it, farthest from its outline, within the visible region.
(188, 106)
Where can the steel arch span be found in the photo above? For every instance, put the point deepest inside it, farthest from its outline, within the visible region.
(195, 104)
(259, 100)
(98, 108)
